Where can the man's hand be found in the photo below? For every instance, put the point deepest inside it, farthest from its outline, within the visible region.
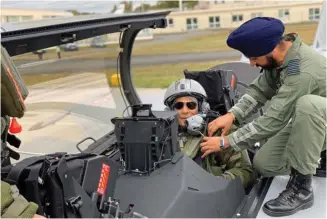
(224, 122)
(212, 145)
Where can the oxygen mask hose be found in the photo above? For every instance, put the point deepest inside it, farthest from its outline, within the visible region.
(195, 124)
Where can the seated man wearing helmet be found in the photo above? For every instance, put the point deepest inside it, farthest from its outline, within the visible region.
(188, 98)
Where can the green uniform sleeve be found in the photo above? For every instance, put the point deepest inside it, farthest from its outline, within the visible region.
(281, 108)
(259, 91)
(237, 164)
(14, 205)
(230, 164)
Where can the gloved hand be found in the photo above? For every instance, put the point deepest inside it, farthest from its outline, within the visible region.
(14, 205)
(224, 122)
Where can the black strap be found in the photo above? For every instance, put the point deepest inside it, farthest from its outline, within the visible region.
(13, 140)
(18, 168)
(13, 154)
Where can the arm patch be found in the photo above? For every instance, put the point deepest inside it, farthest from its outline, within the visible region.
(293, 67)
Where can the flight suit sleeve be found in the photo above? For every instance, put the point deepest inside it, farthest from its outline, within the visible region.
(281, 108)
(259, 91)
(14, 205)
(237, 164)
(230, 164)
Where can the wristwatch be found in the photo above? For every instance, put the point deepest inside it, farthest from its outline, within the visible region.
(222, 143)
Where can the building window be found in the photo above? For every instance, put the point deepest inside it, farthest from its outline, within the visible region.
(214, 22)
(237, 18)
(191, 23)
(314, 14)
(27, 18)
(258, 14)
(12, 18)
(284, 13)
(170, 22)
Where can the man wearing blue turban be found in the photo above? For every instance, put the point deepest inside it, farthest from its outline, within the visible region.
(293, 79)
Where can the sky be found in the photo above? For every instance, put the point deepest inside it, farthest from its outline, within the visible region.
(96, 6)
(93, 6)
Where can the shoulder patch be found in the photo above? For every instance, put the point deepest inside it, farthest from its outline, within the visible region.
(293, 66)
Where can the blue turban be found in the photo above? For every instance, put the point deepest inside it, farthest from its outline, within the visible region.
(257, 37)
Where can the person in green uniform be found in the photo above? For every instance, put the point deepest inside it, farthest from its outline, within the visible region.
(293, 79)
(188, 98)
(13, 205)
(58, 52)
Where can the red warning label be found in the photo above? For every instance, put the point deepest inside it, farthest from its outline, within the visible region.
(102, 186)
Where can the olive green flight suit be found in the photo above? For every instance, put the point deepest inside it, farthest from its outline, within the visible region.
(14, 205)
(295, 121)
(227, 163)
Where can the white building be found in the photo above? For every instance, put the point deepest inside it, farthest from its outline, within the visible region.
(12, 15)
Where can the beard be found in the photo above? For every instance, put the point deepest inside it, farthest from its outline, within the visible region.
(271, 63)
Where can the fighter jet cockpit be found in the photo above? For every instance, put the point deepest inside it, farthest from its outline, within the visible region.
(86, 140)
(80, 99)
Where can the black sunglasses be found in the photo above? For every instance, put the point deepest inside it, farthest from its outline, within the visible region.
(180, 105)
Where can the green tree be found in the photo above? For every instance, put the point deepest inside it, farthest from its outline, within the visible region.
(174, 4)
(142, 8)
(167, 4)
(75, 12)
(128, 6)
(86, 13)
(190, 4)
(114, 9)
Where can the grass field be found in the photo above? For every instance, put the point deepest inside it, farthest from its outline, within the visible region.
(217, 41)
(205, 43)
(159, 76)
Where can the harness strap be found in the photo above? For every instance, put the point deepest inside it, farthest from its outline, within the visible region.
(191, 149)
(5, 152)
(191, 146)
(16, 170)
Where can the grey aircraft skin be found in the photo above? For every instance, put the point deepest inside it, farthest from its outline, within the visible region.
(179, 188)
